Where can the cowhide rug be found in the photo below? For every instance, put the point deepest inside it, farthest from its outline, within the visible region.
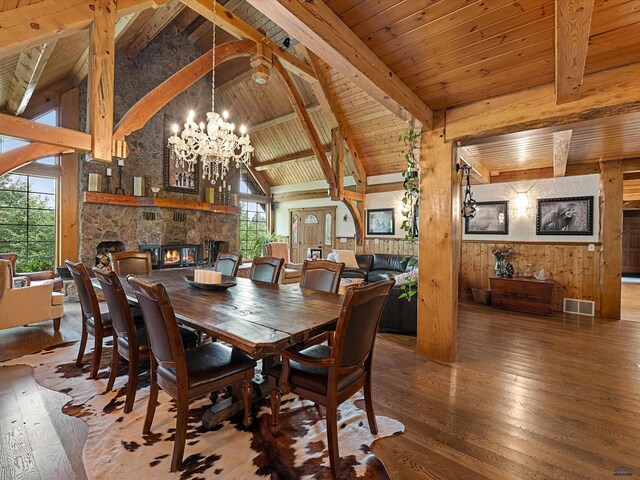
(116, 447)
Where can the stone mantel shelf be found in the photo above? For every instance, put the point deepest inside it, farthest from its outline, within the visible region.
(130, 201)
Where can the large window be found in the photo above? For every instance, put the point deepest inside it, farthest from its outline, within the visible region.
(253, 228)
(248, 183)
(27, 208)
(28, 219)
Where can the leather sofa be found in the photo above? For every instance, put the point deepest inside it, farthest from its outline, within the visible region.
(399, 315)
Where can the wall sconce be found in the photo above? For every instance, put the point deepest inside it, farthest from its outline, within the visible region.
(522, 204)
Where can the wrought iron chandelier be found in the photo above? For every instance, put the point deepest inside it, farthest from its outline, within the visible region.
(215, 144)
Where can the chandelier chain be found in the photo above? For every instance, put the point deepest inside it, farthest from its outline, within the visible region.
(213, 70)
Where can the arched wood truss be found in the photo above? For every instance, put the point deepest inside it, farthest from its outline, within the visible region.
(28, 153)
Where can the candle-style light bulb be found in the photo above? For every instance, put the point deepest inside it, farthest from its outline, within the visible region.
(175, 129)
(232, 127)
(243, 129)
(225, 115)
(191, 116)
(201, 125)
(220, 121)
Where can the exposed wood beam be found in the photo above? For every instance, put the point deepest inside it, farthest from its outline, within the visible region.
(385, 187)
(357, 212)
(311, 108)
(611, 190)
(305, 120)
(162, 17)
(545, 172)
(42, 22)
(261, 179)
(336, 116)
(303, 156)
(28, 153)
(303, 195)
(604, 94)
(152, 102)
(573, 24)
(561, 146)
(37, 132)
(318, 28)
(240, 29)
(337, 161)
(631, 176)
(80, 69)
(102, 50)
(30, 66)
(185, 20)
(351, 195)
(45, 99)
(474, 162)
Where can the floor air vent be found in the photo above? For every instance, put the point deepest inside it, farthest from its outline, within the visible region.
(579, 307)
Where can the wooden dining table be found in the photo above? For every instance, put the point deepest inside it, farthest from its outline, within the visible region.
(259, 318)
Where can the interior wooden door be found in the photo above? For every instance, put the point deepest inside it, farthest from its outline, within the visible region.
(631, 244)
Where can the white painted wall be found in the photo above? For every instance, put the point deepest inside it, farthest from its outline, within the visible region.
(523, 227)
(343, 228)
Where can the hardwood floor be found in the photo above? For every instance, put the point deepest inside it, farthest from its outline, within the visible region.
(631, 299)
(529, 397)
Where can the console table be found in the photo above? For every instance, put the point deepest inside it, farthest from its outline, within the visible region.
(522, 294)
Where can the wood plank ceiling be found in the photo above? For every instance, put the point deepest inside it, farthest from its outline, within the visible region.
(449, 52)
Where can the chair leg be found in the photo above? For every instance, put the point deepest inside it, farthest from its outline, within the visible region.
(332, 435)
(181, 433)
(83, 344)
(115, 362)
(132, 384)
(368, 402)
(97, 356)
(275, 408)
(246, 397)
(56, 324)
(153, 398)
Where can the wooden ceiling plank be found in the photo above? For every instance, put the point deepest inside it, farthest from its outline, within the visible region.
(240, 29)
(42, 22)
(297, 157)
(30, 66)
(561, 146)
(162, 17)
(305, 120)
(573, 24)
(604, 94)
(316, 26)
(311, 108)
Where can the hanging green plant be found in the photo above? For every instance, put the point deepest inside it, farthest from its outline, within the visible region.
(410, 200)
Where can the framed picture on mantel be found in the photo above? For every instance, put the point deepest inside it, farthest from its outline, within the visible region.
(177, 178)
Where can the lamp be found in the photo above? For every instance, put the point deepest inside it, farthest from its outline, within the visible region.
(468, 203)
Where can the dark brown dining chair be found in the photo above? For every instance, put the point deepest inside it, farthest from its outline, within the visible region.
(329, 375)
(228, 264)
(266, 269)
(185, 375)
(130, 339)
(135, 263)
(321, 275)
(93, 322)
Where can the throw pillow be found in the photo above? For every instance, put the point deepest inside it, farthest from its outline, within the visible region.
(348, 257)
(407, 277)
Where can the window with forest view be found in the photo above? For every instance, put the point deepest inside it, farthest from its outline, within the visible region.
(28, 220)
(253, 228)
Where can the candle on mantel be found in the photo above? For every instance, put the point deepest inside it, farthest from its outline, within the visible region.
(121, 162)
(108, 172)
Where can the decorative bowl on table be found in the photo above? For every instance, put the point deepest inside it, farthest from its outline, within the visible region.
(212, 287)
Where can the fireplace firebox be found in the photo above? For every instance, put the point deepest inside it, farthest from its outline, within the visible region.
(173, 256)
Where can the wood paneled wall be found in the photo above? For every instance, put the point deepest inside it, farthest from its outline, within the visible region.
(394, 246)
(575, 270)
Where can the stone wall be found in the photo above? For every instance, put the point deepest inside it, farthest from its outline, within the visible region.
(134, 78)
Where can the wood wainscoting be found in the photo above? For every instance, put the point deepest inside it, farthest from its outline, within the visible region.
(574, 269)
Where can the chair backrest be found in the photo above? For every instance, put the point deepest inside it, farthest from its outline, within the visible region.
(276, 249)
(11, 257)
(119, 310)
(321, 275)
(134, 263)
(86, 292)
(228, 264)
(6, 280)
(266, 269)
(162, 327)
(358, 323)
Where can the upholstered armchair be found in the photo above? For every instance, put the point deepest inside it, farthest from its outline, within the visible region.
(33, 278)
(30, 304)
(291, 272)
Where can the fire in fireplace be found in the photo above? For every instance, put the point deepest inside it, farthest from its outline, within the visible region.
(170, 256)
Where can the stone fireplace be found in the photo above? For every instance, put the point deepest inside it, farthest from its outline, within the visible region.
(104, 249)
(172, 256)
